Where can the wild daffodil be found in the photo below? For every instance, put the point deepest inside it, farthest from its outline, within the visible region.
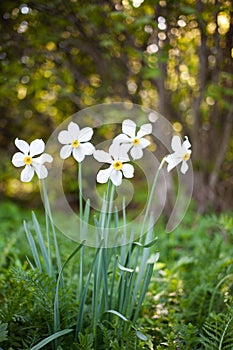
(26, 158)
(75, 141)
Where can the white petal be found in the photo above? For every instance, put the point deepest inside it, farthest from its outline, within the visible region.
(145, 129)
(87, 148)
(17, 159)
(184, 167)
(78, 154)
(103, 175)
(122, 138)
(144, 143)
(176, 144)
(123, 152)
(114, 150)
(36, 147)
(128, 170)
(41, 170)
(129, 127)
(65, 151)
(116, 177)
(172, 161)
(22, 145)
(186, 143)
(27, 173)
(136, 152)
(85, 134)
(44, 158)
(73, 129)
(102, 156)
(65, 137)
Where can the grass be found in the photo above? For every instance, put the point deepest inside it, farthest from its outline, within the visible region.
(188, 304)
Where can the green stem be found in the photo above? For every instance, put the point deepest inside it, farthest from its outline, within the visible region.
(80, 195)
(49, 214)
(109, 212)
(148, 207)
(81, 227)
(45, 197)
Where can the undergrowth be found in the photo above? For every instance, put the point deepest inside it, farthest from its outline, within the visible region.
(188, 305)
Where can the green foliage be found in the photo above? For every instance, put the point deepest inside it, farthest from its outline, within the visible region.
(218, 331)
(188, 304)
(3, 331)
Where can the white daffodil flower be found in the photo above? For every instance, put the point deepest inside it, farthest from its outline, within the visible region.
(75, 142)
(25, 158)
(116, 157)
(134, 140)
(181, 154)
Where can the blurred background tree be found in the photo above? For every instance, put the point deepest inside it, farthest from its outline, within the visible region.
(175, 57)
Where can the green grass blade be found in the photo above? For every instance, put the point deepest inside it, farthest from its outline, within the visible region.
(48, 211)
(32, 246)
(114, 312)
(52, 337)
(84, 295)
(148, 275)
(41, 244)
(56, 299)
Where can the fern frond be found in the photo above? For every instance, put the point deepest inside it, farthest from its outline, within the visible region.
(218, 332)
(3, 331)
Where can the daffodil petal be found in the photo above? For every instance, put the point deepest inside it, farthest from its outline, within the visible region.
(17, 159)
(44, 158)
(120, 151)
(128, 170)
(144, 143)
(27, 173)
(136, 152)
(114, 150)
(22, 145)
(116, 177)
(41, 170)
(73, 129)
(184, 167)
(102, 156)
(176, 144)
(103, 175)
(78, 154)
(65, 151)
(145, 129)
(186, 143)
(87, 148)
(123, 152)
(129, 127)
(36, 147)
(172, 161)
(85, 134)
(122, 138)
(65, 137)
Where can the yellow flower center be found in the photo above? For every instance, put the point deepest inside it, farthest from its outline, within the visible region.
(75, 143)
(28, 160)
(186, 157)
(136, 142)
(117, 165)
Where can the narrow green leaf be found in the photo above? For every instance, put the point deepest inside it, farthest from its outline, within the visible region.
(84, 294)
(146, 283)
(140, 335)
(50, 338)
(41, 243)
(56, 299)
(114, 312)
(33, 247)
(123, 268)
